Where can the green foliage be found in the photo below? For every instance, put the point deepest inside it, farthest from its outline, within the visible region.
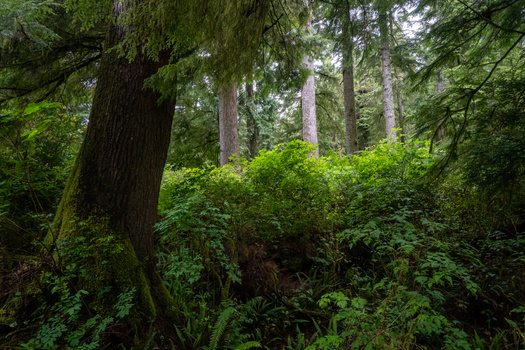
(67, 323)
(37, 145)
(65, 329)
(19, 19)
(388, 162)
(393, 261)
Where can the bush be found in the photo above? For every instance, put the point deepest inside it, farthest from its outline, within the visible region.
(391, 260)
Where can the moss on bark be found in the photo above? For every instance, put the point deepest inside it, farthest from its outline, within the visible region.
(105, 220)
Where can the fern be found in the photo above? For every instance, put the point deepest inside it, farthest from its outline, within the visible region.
(249, 345)
(220, 326)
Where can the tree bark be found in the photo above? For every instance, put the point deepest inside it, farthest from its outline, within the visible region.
(401, 112)
(308, 107)
(111, 196)
(440, 88)
(352, 146)
(388, 95)
(308, 102)
(251, 123)
(228, 122)
(400, 108)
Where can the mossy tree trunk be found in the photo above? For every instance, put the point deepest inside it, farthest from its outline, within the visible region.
(111, 196)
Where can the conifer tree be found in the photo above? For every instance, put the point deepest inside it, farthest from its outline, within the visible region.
(308, 99)
(113, 189)
(475, 45)
(386, 69)
(348, 80)
(228, 122)
(342, 27)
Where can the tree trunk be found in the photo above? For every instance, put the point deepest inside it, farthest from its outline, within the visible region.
(251, 123)
(228, 122)
(349, 100)
(111, 196)
(388, 95)
(308, 107)
(401, 111)
(400, 108)
(308, 104)
(440, 88)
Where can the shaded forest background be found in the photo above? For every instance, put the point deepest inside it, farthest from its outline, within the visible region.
(159, 188)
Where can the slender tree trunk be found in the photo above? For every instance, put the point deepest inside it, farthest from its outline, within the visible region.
(251, 123)
(308, 107)
(308, 104)
(401, 111)
(349, 100)
(111, 196)
(400, 108)
(388, 95)
(228, 122)
(440, 88)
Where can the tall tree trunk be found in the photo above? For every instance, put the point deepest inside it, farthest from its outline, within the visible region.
(308, 104)
(111, 196)
(228, 122)
(440, 88)
(388, 95)
(401, 112)
(251, 123)
(400, 108)
(349, 97)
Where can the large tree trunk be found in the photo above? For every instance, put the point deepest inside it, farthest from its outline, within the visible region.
(251, 123)
(388, 94)
(228, 122)
(111, 196)
(308, 104)
(349, 100)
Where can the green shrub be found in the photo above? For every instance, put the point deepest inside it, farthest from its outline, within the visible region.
(394, 262)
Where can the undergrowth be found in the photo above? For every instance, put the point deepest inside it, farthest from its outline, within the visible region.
(296, 252)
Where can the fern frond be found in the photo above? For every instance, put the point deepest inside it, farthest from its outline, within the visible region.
(249, 345)
(220, 326)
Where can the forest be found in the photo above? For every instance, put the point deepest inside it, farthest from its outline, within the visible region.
(262, 174)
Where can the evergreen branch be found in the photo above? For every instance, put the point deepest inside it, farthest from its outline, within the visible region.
(267, 28)
(471, 94)
(62, 77)
(442, 57)
(488, 20)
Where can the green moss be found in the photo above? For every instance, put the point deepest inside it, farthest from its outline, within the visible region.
(106, 261)
(22, 304)
(104, 258)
